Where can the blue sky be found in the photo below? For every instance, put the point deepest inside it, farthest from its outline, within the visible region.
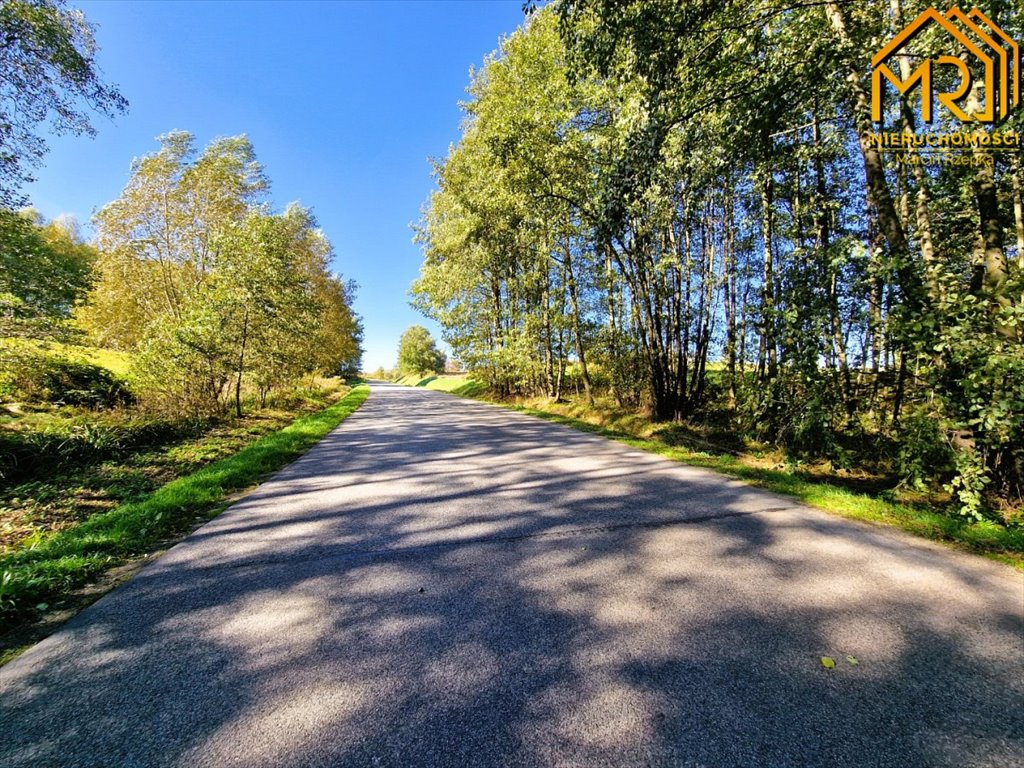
(343, 101)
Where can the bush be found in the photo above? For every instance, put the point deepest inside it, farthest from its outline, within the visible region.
(83, 384)
(924, 453)
(799, 415)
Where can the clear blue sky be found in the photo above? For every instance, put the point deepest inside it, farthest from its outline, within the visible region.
(344, 103)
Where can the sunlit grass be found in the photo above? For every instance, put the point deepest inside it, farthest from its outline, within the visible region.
(114, 361)
(459, 384)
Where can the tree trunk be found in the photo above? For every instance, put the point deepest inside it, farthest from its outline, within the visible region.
(241, 364)
(729, 278)
(576, 324)
(768, 363)
(824, 242)
(897, 399)
(994, 267)
(549, 361)
(921, 197)
(613, 328)
(1018, 208)
(874, 169)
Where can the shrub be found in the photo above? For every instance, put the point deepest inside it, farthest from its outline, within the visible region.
(923, 452)
(83, 384)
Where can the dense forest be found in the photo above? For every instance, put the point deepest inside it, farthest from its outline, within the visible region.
(678, 207)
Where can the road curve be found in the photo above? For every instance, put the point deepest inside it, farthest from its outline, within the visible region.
(446, 583)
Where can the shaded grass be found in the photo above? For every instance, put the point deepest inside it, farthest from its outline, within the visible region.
(60, 494)
(71, 557)
(62, 465)
(1005, 544)
(42, 446)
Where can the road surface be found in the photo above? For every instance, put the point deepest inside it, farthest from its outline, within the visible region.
(446, 583)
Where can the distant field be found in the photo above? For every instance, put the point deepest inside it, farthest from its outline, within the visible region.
(459, 384)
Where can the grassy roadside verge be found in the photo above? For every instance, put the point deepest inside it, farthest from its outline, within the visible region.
(453, 384)
(1004, 544)
(31, 578)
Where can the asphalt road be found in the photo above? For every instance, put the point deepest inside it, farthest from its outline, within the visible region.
(445, 583)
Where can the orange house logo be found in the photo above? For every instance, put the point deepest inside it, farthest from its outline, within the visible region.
(995, 55)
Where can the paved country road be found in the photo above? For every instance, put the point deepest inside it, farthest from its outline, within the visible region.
(445, 583)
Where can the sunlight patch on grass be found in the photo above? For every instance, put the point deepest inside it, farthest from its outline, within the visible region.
(114, 361)
(457, 384)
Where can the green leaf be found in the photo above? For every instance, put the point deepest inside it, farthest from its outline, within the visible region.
(828, 662)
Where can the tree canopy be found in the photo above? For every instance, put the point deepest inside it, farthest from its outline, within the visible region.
(49, 72)
(209, 287)
(45, 268)
(677, 205)
(418, 353)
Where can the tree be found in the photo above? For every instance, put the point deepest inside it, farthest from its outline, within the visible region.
(418, 353)
(45, 268)
(506, 267)
(215, 294)
(158, 241)
(48, 61)
(646, 188)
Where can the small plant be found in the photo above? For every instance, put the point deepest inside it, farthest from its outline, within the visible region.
(968, 485)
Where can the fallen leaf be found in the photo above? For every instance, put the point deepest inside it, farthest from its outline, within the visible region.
(852, 660)
(828, 662)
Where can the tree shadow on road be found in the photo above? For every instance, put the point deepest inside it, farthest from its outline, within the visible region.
(474, 610)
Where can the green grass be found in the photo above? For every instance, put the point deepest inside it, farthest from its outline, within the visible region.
(52, 568)
(1005, 544)
(114, 361)
(457, 384)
